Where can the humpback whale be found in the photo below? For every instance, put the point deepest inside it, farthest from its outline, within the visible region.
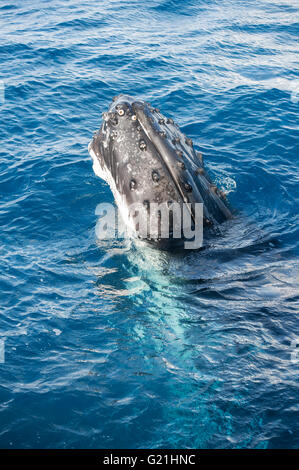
(148, 161)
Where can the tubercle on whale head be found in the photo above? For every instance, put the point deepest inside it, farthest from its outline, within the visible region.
(145, 158)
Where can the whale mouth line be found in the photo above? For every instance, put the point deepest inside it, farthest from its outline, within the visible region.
(162, 155)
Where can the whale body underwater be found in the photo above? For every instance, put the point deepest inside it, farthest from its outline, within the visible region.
(148, 162)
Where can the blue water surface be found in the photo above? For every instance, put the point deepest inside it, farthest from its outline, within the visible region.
(113, 345)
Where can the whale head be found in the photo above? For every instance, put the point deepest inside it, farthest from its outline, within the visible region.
(147, 160)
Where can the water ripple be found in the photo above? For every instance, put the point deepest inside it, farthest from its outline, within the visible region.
(111, 344)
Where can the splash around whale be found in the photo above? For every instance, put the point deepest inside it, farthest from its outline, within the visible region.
(158, 180)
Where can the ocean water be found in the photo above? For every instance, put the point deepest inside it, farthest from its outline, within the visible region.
(106, 344)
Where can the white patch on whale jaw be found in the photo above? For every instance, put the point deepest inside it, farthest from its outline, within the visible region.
(120, 199)
(97, 168)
